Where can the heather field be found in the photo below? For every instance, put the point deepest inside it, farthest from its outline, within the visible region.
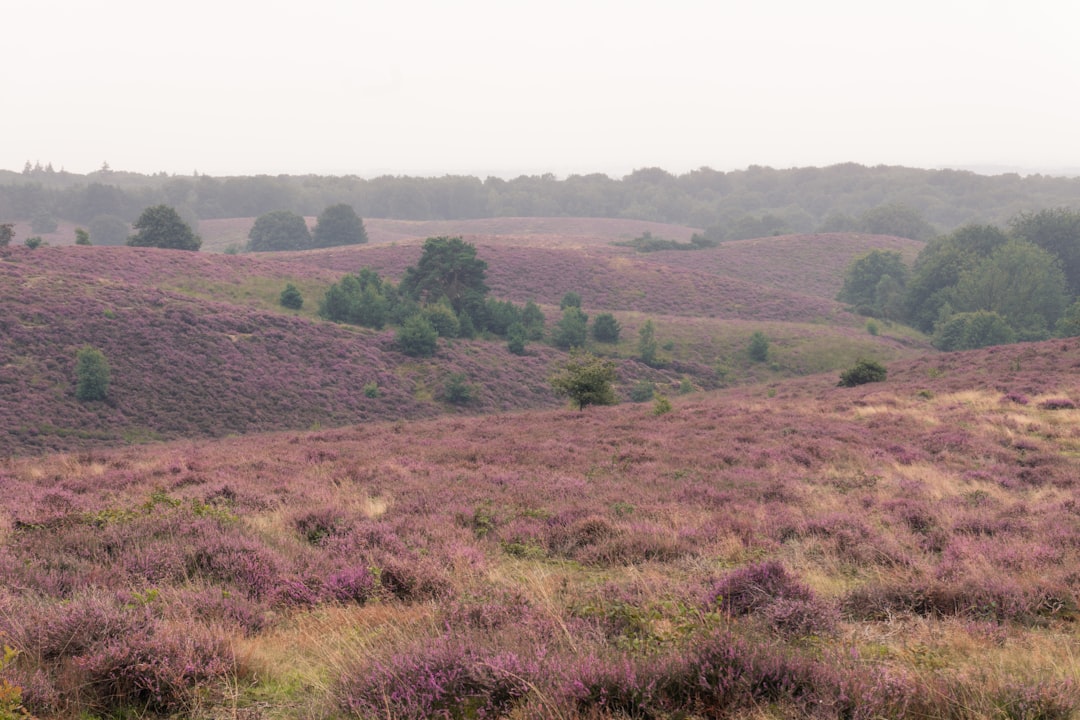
(200, 347)
(784, 549)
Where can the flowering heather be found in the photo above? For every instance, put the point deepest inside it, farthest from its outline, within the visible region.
(907, 548)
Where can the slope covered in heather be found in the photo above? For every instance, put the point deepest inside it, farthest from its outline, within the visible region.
(906, 548)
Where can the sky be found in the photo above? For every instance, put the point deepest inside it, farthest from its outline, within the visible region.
(512, 87)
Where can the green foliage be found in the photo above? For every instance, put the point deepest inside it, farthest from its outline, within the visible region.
(758, 348)
(646, 243)
(572, 330)
(291, 298)
(448, 269)
(371, 390)
(647, 345)
(570, 299)
(456, 389)
(82, 237)
(91, 374)
(443, 319)
(864, 371)
(939, 267)
(362, 299)
(661, 405)
(7, 233)
(1069, 324)
(532, 317)
(970, 330)
(10, 695)
(642, 391)
(161, 226)
(279, 230)
(1020, 282)
(498, 315)
(417, 337)
(108, 230)
(606, 328)
(874, 284)
(1058, 232)
(896, 219)
(516, 337)
(34, 242)
(339, 225)
(586, 380)
(872, 328)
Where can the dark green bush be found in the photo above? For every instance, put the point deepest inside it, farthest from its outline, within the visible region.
(291, 297)
(864, 371)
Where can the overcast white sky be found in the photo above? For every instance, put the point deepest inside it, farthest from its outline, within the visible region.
(508, 87)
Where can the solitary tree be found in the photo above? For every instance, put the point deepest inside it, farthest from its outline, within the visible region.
(82, 237)
(91, 374)
(291, 298)
(586, 380)
(339, 225)
(161, 226)
(279, 230)
(7, 233)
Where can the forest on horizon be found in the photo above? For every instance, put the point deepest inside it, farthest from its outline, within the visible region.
(755, 202)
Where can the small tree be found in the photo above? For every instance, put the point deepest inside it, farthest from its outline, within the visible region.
(291, 298)
(572, 330)
(339, 225)
(606, 328)
(91, 374)
(864, 371)
(417, 337)
(570, 299)
(82, 237)
(457, 390)
(448, 268)
(279, 230)
(647, 345)
(758, 348)
(586, 380)
(516, 337)
(7, 234)
(162, 227)
(532, 317)
(33, 242)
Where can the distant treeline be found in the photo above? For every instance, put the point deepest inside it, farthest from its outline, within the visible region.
(744, 203)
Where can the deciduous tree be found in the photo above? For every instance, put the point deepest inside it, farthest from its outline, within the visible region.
(279, 230)
(586, 380)
(339, 225)
(161, 226)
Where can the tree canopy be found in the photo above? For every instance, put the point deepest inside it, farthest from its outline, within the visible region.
(873, 283)
(586, 380)
(161, 226)
(448, 268)
(279, 230)
(339, 225)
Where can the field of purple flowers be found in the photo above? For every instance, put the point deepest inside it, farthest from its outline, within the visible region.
(199, 347)
(900, 549)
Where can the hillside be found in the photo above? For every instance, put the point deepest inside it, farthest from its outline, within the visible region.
(900, 549)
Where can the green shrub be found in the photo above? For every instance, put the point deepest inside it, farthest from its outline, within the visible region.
(661, 405)
(872, 327)
(91, 374)
(417, 337)
(642, 391)
(864, 371)
(516, 337)
(758, 349)
(586, 380)
(291, 297)
(443, 319)
(570, 299)
(606, 328)
(33, 242)
(371, 390)
(456, 390)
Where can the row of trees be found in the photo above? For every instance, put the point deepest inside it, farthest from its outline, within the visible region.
(285, 230)
(745, 203)
(980, 285)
